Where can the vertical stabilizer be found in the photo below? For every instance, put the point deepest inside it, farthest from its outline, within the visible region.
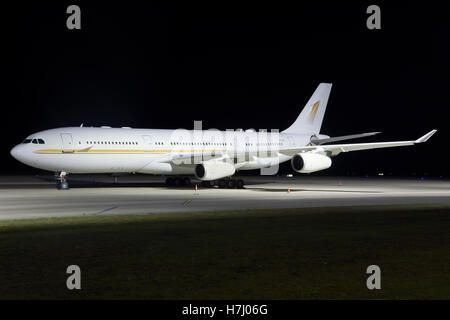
(311, 117)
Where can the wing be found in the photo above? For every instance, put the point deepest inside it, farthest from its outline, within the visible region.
(335, 149)
(334, 139)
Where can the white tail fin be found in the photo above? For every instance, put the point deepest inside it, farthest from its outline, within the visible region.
(311, 117)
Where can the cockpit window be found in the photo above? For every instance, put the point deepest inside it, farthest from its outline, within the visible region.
(34, 141)
(41, 141)
(26, 141)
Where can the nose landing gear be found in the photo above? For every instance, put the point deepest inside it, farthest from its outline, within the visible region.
(62, 183)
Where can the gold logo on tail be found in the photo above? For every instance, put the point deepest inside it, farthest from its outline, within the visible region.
(313, 112)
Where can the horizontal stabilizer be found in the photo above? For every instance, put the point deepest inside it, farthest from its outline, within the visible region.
(341, 138)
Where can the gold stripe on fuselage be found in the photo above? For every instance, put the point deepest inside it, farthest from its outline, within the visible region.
(117, 151)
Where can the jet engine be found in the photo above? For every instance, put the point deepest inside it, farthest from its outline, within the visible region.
(310, 162)
(213, 170)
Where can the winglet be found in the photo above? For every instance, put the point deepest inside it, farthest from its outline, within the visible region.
(425, 137)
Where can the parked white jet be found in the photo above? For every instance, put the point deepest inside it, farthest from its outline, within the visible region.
(212, 156)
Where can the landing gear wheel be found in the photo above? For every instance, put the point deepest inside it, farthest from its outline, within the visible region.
(239, 183)
(169, 182)
(186, 181)
(178, 182)
(62, 185)
(208, 184)
(222, 184)
(231, 184)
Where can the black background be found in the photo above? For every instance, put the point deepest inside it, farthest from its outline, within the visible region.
(232, 66)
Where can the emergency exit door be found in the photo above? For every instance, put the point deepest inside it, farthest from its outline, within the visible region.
(148, 141)
(67, 143)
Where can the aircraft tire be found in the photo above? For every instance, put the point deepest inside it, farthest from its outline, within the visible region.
(169, 182)
(186, 181)
(62, 185)
(178, 182)
(231, 184)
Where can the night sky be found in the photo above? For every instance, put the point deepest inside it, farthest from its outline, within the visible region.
(147, 66)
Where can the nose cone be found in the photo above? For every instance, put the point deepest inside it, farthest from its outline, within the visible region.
(15, 152)
(19, 153)
(22, 153)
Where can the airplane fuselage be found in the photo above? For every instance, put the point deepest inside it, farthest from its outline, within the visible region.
(117, 150)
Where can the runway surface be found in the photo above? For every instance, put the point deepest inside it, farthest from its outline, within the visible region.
(29, 197)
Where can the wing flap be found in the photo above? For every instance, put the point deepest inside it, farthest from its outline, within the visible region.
(341, 138)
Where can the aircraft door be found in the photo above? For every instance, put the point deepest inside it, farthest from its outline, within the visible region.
(247, 147)
(67, 143)
(236, 150)
(148, 141)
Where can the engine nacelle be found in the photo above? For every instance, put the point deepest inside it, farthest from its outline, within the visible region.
(310, 162)
(212, 170)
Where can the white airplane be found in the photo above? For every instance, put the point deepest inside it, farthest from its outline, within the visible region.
(211, 156)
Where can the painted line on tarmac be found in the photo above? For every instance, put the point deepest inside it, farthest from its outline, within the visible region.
(103, 211)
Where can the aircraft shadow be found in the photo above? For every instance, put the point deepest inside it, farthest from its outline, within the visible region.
(314, 190)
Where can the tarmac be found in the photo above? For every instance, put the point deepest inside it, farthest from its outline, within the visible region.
(24, 197)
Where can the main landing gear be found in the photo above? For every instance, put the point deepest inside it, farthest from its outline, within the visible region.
(62, 183)
(178, 181)
(222, 183)
(225, 183)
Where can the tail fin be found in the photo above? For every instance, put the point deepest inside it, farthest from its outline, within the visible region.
(310, 119)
